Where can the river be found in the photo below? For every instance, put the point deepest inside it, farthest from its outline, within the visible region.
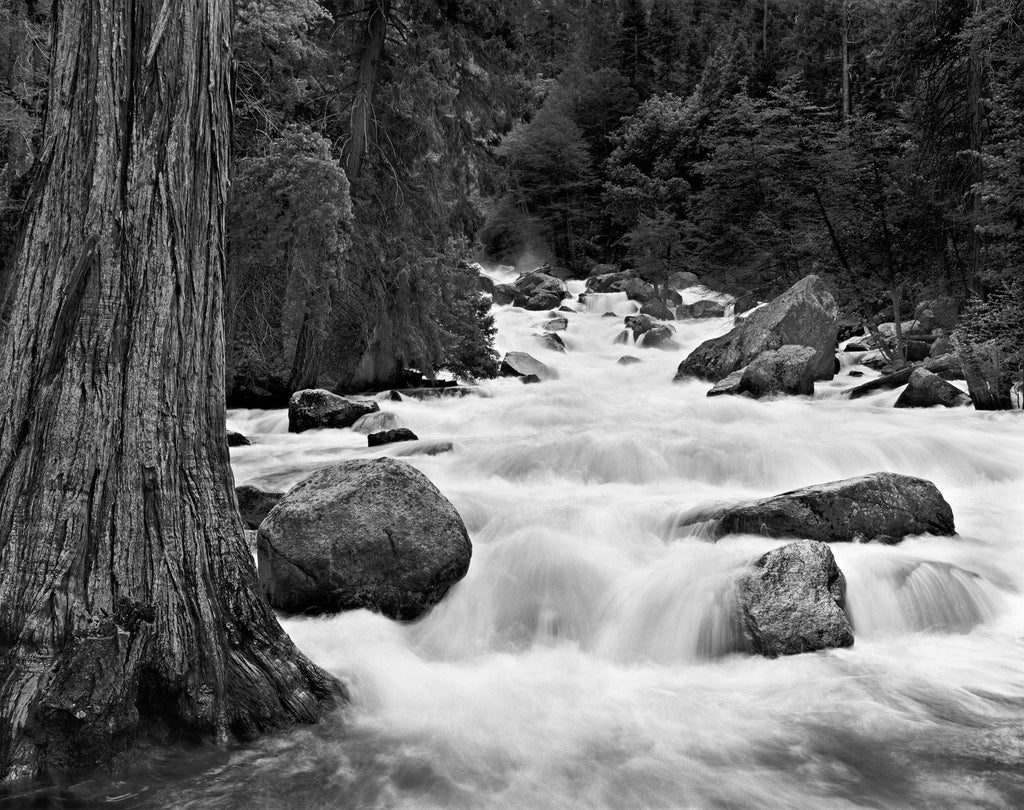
(583, 662)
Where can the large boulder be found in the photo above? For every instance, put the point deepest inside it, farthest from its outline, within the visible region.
(254, 504)
(608, 282)
(636, 289)
(988, 375)
(558, 324)
(370, 533)
(551, 340)
(792, 601)
(536, 290)
(882, 507)
(316, 408)
(520, 364)
(639, 324)
(804, 315)
(682, 280)
(658, 310)
(926, 390)
(786, 370)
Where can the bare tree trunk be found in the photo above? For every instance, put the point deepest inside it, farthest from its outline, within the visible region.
(362, 119)
(129, 603)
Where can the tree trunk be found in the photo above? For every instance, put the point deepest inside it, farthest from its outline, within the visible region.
(363, 125)
(129, 603)
(976, 138)
(846, 63)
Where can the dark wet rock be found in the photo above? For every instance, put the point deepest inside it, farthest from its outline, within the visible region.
(394, 396)
(926, 390)
(639, 324)
(948, 367)
(628, 360)
(792, 601)
(856, 373)
(370, 533)
(608, 282)
(744, 303)
(564, 308)
(236, 439)
(671, 297)
(316, 408)
(254, 504)
(529, 379)
(856, 347)
(786, 370)
(882, 507)
(534, 291)
(943, 344)
(374, 422)
(636, 289)
(609, 315)
(520, 364)
(988, 375)
(701, 309)
(550, 340)
(804, 315)
(391, 437)
(555, 325)
(504, 294)
(658, 310)
(728, 385)
(659, 336)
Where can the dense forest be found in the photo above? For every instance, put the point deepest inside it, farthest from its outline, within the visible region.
(379, 144)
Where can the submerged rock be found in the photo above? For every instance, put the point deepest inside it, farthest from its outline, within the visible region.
(706, 308)
(390, 437)
(786, 370)
(371, 533)
(551, 340)
(316, 408)
(555, 325)
(948, 367)
(627, 360)
(375, 422)
(926, 390)
(520, 364)
(254, 504)
(236, 439)
(792, 601)
(805, 315)
(881, 507)
(659, 336)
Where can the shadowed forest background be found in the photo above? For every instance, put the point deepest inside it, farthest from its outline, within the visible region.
(379, 144)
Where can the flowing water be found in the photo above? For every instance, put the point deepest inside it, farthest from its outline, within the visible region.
(586, 659)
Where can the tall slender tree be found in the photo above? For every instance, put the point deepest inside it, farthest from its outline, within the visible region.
(129, 604)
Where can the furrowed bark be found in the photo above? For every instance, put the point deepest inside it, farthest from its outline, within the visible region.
(129, 604)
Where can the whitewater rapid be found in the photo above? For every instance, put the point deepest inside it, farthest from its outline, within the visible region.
(585, 660)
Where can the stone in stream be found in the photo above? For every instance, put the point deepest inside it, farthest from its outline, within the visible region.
(555, 325)
(881, 507)
(786, 370)
(627, 360)
(728, 385)
(948, 367)
(375, 422)
(236, 439)
(391, 437)
(681, 280)
(658, 337)
(316, 408)
(705, 308)
(658, 310)
(254, 504)
(551, 340)
(805, 315)
(926, 390)
(369, 533)
(638, 324)
(520, 364)
(792, 601)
